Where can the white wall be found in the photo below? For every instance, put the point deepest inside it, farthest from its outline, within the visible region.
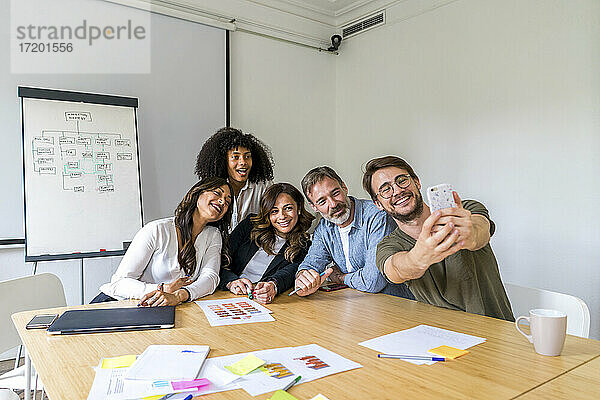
(285, 95)
(502, 99)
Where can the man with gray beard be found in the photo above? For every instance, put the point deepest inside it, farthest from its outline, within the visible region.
(347, 235)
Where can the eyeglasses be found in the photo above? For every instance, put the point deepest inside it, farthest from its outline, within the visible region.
(387, 190)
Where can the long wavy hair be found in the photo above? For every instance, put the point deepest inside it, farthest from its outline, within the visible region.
(184, 222)
(263, 232)
(212, 158)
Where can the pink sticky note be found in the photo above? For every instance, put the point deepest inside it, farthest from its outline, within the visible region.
(193, 384)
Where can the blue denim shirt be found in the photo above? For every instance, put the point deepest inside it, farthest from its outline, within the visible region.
(368, 227)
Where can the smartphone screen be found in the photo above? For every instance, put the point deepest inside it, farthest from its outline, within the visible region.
(41, 321)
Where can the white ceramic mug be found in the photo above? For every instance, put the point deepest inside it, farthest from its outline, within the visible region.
(548, 330)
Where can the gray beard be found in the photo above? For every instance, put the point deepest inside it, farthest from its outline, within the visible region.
(411, 216)
(339, 220)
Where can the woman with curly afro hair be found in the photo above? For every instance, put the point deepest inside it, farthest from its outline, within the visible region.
(244, 161)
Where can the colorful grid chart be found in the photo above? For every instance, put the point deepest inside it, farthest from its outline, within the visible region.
(313, 362)
(234, 311)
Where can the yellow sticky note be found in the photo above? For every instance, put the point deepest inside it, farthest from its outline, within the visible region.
(245, 365)
(282, 395)
(448, 352)
(158, 396)
(118, 362)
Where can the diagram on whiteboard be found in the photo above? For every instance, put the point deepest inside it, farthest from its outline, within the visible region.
(81, 175)
(85, 159)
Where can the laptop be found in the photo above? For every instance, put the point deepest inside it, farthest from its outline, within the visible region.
(97, 320)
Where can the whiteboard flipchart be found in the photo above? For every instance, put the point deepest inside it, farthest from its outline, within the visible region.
(81, 174)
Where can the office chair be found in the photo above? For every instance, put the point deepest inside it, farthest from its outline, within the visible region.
(524, 299)
(22, 294)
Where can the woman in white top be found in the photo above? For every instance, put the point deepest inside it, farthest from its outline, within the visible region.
(177, 259)
(244, 161)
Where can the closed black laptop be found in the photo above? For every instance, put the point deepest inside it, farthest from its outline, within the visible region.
(113, 320)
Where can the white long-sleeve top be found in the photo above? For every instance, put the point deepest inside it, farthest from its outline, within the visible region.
(151, 259)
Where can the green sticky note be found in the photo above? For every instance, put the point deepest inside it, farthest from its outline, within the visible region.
(245, 365)
(282, 395)
(118, 362)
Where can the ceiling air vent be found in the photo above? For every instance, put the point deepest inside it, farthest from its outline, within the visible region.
(364, 24)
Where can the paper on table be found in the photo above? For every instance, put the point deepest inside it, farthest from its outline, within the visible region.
(245, 365)
(291, 358)
(168, 362)
(216, 374)
(418, 340)
(214, 370)
(109, 384)
(230, 321)
(118, 362)
(221, 379)
(237, 303)
(234, 311)
(311, 362)
(282, 395)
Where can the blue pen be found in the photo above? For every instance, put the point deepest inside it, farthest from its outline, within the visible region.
(295, 290)
(405, 357)
(188, 397)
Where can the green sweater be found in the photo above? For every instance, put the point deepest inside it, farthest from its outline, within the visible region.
(467, 280)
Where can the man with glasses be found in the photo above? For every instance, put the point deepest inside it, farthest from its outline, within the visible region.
(347, 235)
(444, 257)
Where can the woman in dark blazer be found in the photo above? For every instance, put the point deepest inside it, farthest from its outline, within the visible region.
(267, 248)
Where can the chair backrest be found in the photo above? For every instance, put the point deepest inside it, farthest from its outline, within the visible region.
(7, 394)
(22, 294)
(524, 299)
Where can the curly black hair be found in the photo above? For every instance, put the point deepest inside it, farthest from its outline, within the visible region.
(212, 158)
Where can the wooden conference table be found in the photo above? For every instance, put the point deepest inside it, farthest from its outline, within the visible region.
(503, 367)
(579, 383)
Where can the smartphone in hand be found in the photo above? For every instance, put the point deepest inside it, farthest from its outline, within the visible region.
(440, 196)
(41, 321)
